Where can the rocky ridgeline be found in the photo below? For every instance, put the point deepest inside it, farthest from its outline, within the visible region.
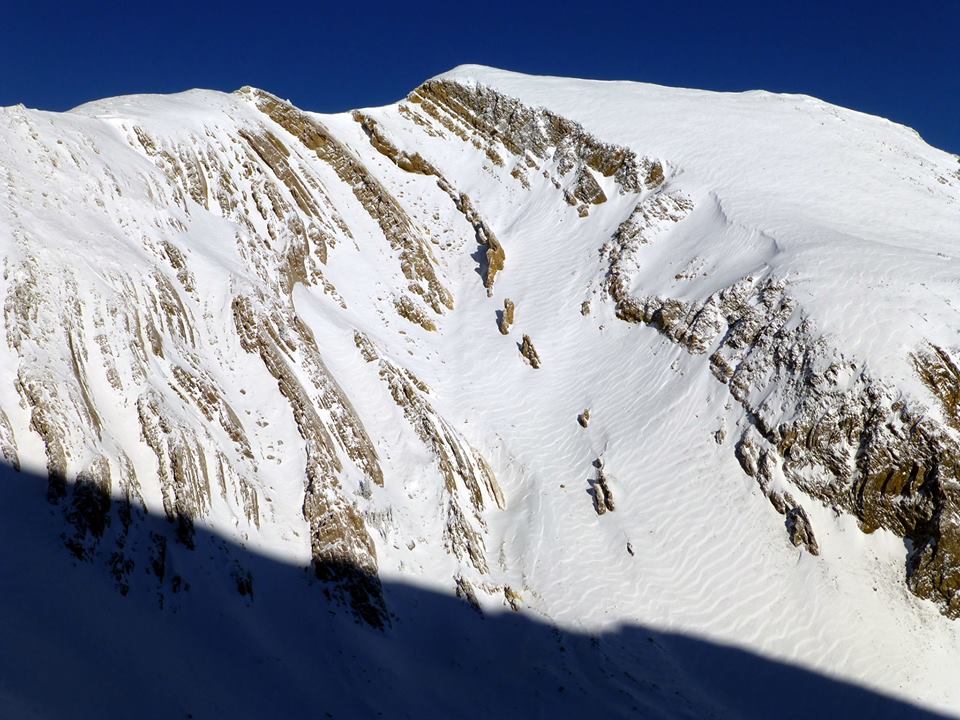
(814, 420)
(536, 140)
(139, 346)
(52, 333)
(493, 253)
(155, 342)
(341, 547)
(416, 259)
(147, 340)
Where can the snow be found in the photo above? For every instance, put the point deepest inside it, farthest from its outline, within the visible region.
(829, 188)
(857, 212)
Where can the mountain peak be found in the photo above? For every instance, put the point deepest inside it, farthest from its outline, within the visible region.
(594, 353)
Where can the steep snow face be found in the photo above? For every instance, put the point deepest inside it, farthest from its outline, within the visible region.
(825, 196)
(599, 353)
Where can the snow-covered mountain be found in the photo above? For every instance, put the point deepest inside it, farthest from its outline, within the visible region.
(569, 394)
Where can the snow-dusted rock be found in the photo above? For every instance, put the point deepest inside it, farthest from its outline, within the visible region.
(276, 326)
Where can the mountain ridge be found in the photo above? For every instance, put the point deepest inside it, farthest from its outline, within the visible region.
(282, 326)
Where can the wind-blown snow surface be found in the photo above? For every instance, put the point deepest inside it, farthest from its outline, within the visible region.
(214, 304)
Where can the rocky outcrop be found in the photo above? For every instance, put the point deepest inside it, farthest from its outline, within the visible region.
(8, 443)
(494, 256)
(529, 352)
(506, 316)
(286, 203)
(168, 367)
(182, 465)
(464, 590)
(759, 463)
(586, 189)
(600, 490)
(341, 547)
(513, 598)
(416, 259)
(463, 468)
(541, 140)
(816, 421)
(409, 310)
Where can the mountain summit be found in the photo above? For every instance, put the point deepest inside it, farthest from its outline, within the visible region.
(565, 356)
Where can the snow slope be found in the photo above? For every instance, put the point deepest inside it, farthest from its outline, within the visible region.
(279, 330)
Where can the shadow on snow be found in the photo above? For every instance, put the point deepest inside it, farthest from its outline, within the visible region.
(110, 612)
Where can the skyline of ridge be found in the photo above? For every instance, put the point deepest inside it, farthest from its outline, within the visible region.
(329, 57)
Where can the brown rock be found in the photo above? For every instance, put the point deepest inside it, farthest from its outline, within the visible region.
(529, 352)
(505, 317)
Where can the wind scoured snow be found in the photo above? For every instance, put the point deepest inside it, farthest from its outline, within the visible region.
(857, 213)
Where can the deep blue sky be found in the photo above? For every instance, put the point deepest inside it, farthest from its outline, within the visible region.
(899, 60)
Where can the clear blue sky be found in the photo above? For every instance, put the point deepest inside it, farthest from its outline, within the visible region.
(896, 59)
